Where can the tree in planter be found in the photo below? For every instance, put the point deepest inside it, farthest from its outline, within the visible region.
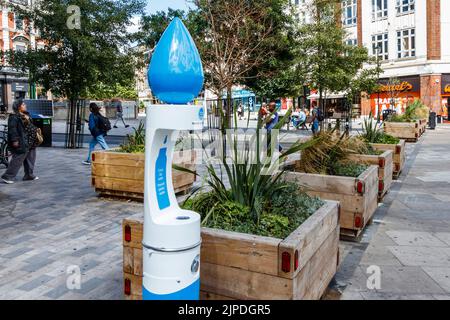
(86, 43)
(237, 39)
(326, 61)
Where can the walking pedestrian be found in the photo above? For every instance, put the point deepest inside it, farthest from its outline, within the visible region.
(315, 118)
(119, 113)
(23, 139)
(271, 120)
(240, 112)
(99, 127)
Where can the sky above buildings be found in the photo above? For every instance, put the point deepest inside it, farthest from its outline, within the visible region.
(159, 5)
(163, 5)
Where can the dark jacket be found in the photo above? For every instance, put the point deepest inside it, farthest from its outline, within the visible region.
(94, 126)
(16, 133)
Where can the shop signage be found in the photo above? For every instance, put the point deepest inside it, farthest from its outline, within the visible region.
(399, 87)
(447, 88)
(19, 86)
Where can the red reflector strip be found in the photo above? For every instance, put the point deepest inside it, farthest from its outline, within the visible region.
(93, 157)
(381, 162)
(296, 260)
(286, 262)
(398, 149)
(360, 187)
(127, 287)
(358, 222)
(381, 185)
(127, 233)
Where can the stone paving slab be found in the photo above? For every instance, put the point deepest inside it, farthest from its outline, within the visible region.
(410, 239)
(57, 222)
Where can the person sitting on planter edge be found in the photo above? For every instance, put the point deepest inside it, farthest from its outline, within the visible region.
(99, 127)
(22, 142)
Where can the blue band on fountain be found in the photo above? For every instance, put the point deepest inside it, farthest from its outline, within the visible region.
(191, 292)
(162, 193)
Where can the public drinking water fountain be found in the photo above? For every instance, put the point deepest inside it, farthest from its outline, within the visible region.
(172, 238)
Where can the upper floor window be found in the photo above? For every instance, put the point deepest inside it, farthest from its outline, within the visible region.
(380, 46)
(349, 12)
(405, 6)
(379, 9)
(351, 42)
(406, 43)
(19, 22)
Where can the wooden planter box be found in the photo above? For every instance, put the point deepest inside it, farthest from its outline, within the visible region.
(409, 131)
(241, 266)
(399, 151)
(358, 196)
(121, 175)
(385, 163)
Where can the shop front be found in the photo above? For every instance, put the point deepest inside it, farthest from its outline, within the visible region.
(395, 95)
(445, 95)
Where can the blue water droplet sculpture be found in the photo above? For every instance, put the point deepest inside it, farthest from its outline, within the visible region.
(175, 74)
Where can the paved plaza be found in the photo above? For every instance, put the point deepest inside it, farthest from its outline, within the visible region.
(53, 225)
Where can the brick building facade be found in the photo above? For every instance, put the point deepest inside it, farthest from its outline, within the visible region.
(15, 34)
(409, 37)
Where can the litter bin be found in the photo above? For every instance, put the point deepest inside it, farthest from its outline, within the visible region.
(439, 119)
(45, 124)
(432, 120)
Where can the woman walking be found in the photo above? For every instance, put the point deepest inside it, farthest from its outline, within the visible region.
(99, 126)
(23, 139)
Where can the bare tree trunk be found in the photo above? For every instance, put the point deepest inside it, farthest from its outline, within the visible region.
(230, 111)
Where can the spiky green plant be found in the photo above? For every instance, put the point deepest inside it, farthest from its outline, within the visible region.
(252, 180)
(136, 141)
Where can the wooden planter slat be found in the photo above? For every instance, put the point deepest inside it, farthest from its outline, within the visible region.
(355, 206)
(385, 163)
(122, 175)
(409, 131)
(399, 158)
(241, 266)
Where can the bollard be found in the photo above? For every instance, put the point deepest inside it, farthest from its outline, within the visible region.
(171, 244)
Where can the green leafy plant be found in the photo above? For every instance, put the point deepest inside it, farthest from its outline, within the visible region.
(250, 201)
(136, 141)
(349, 169)
(374, 134)
(288, 208)
(414, 111)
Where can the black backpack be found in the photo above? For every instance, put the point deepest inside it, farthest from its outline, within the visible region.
(320, 116)
(103, 123)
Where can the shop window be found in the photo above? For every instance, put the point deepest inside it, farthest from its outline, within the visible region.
(349, 12)
(406, 43)
(405, 6)
(380, 46)
(379, 9)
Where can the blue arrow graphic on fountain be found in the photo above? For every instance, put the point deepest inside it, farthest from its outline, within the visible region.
(176, 72)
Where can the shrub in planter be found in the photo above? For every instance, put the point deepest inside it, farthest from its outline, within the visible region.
(410, 125)
(326, 169)
(383, 142)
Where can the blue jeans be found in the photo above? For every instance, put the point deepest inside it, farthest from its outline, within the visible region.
(99, 140)
(315, 126)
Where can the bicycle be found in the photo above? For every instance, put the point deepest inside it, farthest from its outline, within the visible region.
(4, 151)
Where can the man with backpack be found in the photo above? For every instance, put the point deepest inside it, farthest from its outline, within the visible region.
(99, 127)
